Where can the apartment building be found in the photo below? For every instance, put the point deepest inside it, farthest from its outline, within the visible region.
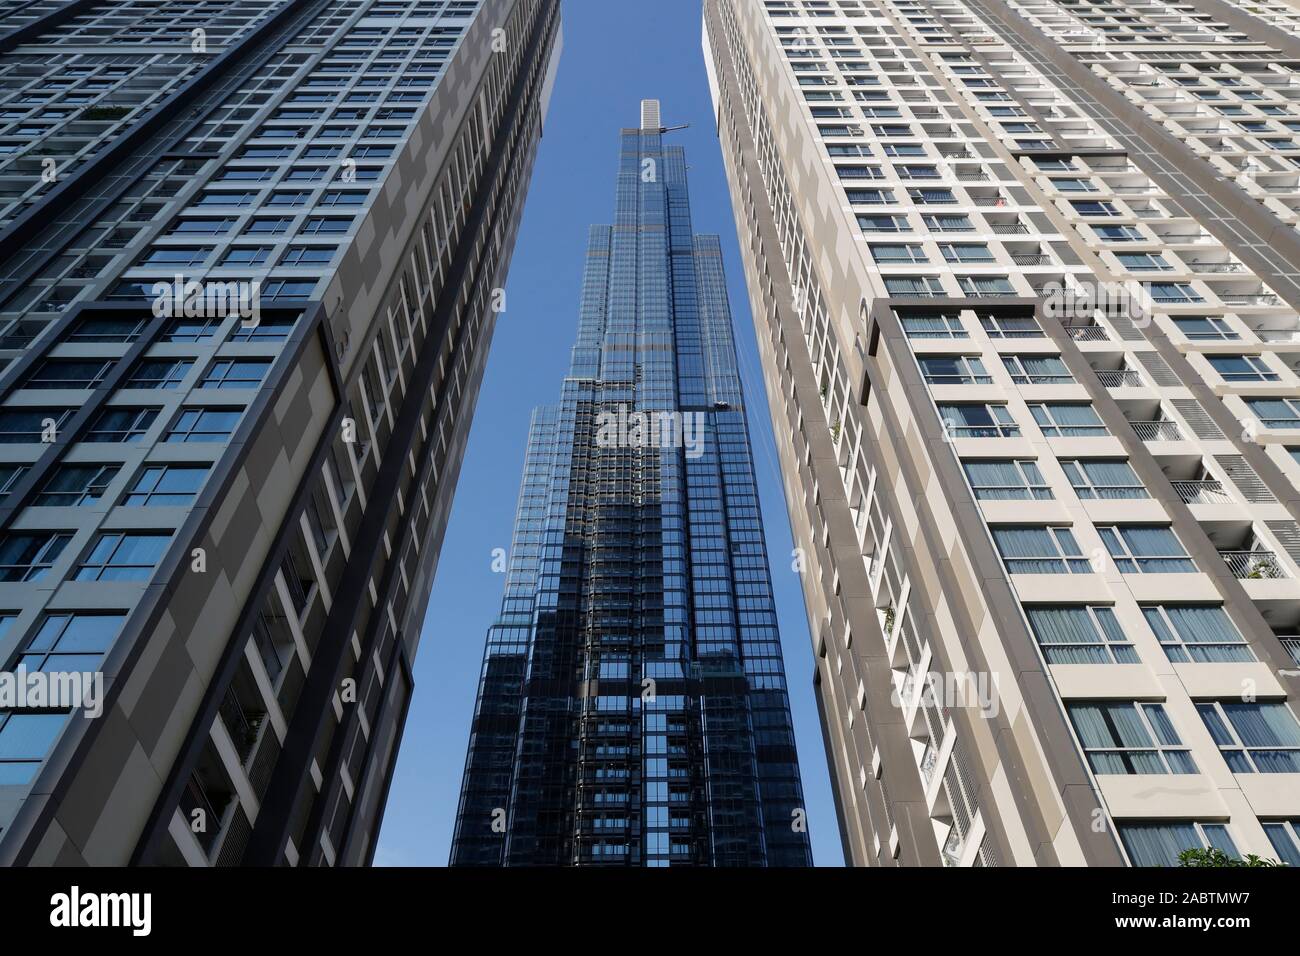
(632, 709)
(1024, 282)
(249, 254)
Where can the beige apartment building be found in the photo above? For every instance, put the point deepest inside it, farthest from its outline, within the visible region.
(1025, 283)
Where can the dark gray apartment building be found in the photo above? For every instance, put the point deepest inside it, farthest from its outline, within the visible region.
(249, 263)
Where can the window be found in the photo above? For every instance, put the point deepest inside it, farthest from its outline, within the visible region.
(965, 252)
(898, 252)
(247, 256)
(1007, 480)
(997, 326)
(191, 330)
(1081, 635)
(1145, 549)
(1158, 844)
(68, 373)
(948, 223)
(914, 286)
(171, 257)
(1205, 327)
(74, 486)
(1091, 207)
(884, 224)
(201, 227)
(204, 425)
(1173, 293)
(1260, 737)
(978, 421)
(25, 739)
(163, 374)
(71, 641)
(1285, 837)
(1129, 738)
(1040, 550)
(26, 556)
(123, 556)
(107, 330)
(309, 255)
(1066, 420)
(10, 475)
(319, 226)
(1242, 368)
(953, 370)
(1074, 185)
(116, 424)
(985, 286)
(22, 425)
(1103, 479)
(1191, 633)
(267, 330)
(1143, 261)
(932, 325)
(288, 288)
(268, 227)
(870, 197)
(162, 486)
(1037, 369)
(1276, 412)
(235, 373)
(1119, 233)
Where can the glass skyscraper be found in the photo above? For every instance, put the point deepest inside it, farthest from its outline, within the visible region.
(633, 706)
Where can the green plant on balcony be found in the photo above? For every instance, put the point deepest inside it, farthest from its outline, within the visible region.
(836, 428)
(1213, 856)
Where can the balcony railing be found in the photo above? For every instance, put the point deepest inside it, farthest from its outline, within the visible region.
(1088, 333)
(1202, 493)
(1119, 378)
(1230, 298)
(1157, 431)
(1253, 565)
(1216, 267)
(1292, 645)
(1031, 259)
(1009, 229)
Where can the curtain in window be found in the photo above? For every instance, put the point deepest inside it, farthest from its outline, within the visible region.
(996, 480)
(1073, 416)
(1054, 626)
(1208, 626)
(1102, 726)
(1143, 542)
(1111, 479)
(1158, 844)
(1044, 366)
(1287, 850)
(1263, 725)
(1272, 409)
(1020, 545)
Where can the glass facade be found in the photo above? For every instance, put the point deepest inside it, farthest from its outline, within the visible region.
(633, 708)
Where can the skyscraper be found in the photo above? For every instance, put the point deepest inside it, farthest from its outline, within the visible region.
(1024, 280)
(632, 709)
(248, 263)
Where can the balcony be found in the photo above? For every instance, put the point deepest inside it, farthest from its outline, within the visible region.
(1247, 299)
(1031, 259)
(1157, 431)
(1119, 378)
(1253, 565)
(1292, 645)
(1088, 333)
(1202, 493)
(1008, 229)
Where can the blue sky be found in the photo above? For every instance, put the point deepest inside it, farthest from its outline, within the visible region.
(615, 55)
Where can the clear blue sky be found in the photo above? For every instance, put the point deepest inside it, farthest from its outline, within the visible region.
(616, 53)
